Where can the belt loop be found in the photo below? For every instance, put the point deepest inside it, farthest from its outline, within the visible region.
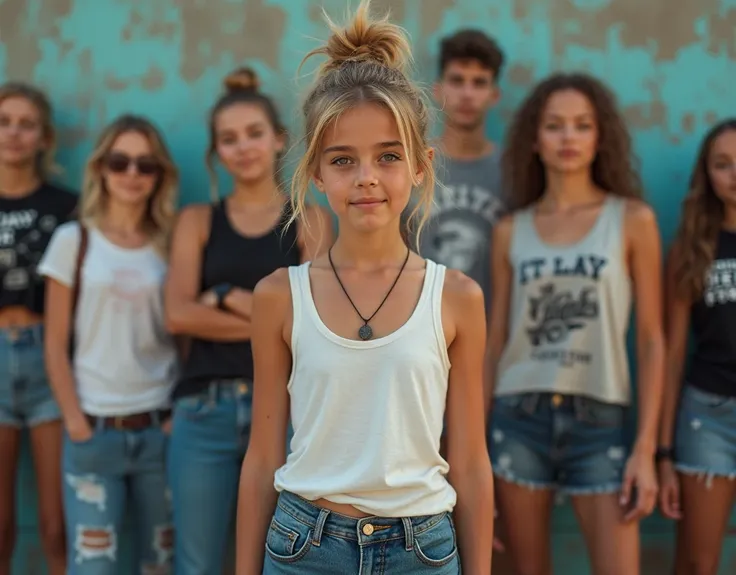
(212, 392)
(319, 526)
(155, 418)
(99, 423)
(530, 403)
(408, 533)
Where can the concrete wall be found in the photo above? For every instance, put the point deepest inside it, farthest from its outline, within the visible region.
(673, 67)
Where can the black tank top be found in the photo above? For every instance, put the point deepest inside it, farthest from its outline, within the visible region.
(230, 257)
(713, 319)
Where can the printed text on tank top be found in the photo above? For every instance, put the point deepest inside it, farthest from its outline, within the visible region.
(569, 310)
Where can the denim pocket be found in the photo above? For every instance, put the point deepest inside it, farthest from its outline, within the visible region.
(698, 398)
(599, 414)
(194, 406)
(287, 540)
(436, 546)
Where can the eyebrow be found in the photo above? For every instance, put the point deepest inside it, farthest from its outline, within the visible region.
(382, 145)
(585, 116)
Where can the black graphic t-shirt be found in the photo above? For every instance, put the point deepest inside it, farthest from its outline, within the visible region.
(713, 320)
(26, 226)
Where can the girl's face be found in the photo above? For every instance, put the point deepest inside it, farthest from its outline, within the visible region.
(21, 132)
(246, 142)
(567, 137)
(130, 169)
(722, 166)
(363, 169)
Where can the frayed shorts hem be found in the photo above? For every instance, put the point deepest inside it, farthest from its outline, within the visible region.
(705, 472)
(570, 490)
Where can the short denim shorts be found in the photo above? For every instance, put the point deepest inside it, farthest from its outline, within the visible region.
(572, 444)
(705, 434)
(304, 539)
(26, 400)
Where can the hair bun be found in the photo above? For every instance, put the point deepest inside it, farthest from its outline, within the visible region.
(365, 39)
(242, 80)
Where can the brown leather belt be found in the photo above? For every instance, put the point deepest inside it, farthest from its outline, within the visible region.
(132, 422)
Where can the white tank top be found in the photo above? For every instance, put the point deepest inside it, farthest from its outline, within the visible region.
(368, 415)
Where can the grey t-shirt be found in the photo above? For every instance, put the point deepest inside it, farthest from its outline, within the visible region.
(466, 206)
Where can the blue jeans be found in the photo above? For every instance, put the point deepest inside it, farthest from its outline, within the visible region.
(26, 399)
(705, 434)
(208, 441)
(304, 539)
(573, 444)
(104, 477)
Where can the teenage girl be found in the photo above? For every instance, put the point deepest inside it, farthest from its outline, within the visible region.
(105, 276)
(699, 417)
(31, 208)
(367, 348)
(567, 263)
(220, 252)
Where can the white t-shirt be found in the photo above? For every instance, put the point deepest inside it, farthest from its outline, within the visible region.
(125, 362)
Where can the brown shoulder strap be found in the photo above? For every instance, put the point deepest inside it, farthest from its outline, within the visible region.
(81, 253)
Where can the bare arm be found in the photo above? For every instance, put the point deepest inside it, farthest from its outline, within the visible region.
(646, 272)
(316, 237)
(267, 448)
(678, 326)
(185, 314)
(498, 316)
(57, 328)
(470, 468)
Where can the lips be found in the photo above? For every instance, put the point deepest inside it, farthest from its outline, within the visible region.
(568, 153)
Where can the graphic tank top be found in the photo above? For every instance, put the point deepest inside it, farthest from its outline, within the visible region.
(570, 309)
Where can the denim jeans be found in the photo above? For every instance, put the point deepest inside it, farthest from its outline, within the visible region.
(573, 444)
(26, 399)
(705, 434)
(104, 477)
(209, 437)
(304, 539)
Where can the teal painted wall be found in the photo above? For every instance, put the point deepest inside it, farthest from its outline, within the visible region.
(673, 68)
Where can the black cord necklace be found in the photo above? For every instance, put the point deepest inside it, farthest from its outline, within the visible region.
(366, 332)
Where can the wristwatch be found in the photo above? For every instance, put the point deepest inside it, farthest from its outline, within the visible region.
(664, 454)
(221, 291)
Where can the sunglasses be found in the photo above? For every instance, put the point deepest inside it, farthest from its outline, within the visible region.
(118, 163)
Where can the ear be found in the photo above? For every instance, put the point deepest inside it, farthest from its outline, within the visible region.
(280, 143)
(420, 173)
(318, 183)
(437, 92)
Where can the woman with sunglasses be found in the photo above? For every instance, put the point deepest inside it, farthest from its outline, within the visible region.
(30, 209)
(104, 276)
(219, 253)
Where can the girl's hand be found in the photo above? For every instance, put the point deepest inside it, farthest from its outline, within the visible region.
(669, 493)
(639, 491)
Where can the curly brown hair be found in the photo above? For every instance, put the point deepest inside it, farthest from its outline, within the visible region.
(614, 168)
(694, 246)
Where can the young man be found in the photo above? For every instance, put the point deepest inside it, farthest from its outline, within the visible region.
(468, 201)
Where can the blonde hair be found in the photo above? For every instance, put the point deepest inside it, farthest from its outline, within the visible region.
(45, 164)
(367, 63)
(241, 87)
(159, 219)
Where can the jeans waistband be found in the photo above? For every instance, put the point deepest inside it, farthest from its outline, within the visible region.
(225, 389)
(26, 335)
(366, 531)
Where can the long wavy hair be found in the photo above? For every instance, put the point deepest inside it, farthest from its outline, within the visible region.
(159, 218)
(614, 169)
(694, 246)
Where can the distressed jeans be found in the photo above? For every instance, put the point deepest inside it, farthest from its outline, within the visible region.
(209, 436)
(105, 477)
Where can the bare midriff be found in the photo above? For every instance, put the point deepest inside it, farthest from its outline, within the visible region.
(18, 317)
(341, 508)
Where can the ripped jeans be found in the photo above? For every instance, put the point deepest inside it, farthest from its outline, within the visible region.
(572, 444)
(104, 477)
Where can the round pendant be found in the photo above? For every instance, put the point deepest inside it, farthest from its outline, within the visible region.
(365, 332)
